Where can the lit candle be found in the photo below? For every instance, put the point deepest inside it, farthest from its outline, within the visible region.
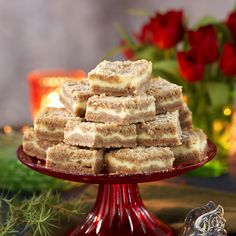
(44, 88)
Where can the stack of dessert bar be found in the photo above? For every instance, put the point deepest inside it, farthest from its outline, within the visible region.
(119, 120)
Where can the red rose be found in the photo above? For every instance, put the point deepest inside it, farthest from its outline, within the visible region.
(228, 59)
(204, 43)
(231, 23)
(190, 68)
(163, 30)
(146, 34)
(127, 52)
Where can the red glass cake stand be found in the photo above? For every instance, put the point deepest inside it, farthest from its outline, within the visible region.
(119, 210)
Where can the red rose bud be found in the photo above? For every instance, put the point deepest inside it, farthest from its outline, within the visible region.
(127, 52)
(190, 68)
(231, 23)
(204, 43)
(146, 34)
(228, 59)
(163, 30)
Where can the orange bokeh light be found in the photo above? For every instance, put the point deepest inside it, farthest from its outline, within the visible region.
(44, 87)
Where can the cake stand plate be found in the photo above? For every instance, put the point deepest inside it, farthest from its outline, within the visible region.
(119, 210)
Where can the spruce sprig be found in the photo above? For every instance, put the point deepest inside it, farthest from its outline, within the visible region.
(8, 221)
(37, 215)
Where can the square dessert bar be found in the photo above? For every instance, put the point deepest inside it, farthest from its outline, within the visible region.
(74, 95)
(122, 110)
(99, 135)
(120, 78)
(168, 95)
(71, 159)
(193, 148)
(139, 160)
(165, 130)
(34, 147)
(185, 117)
(50, 124)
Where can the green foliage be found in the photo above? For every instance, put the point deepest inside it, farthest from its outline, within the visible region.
(16, 177)
(168, 67)
(148, 52)
(224, 34)
(218, 93)
(38, 215)
(207, 97)
(207, 20)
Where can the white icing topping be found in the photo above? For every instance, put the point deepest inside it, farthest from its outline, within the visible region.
(167, 102)
(78, 132)
(142, 166)
(199, 145)
(167, 136)
(124, 112)
(44, 128)
(124, 81)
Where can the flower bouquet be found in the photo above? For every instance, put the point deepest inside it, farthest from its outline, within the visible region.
(203, 60)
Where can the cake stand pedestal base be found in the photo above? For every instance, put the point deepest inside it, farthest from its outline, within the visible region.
(119, 211)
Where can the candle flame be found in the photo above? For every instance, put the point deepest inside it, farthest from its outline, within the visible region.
(51, 100)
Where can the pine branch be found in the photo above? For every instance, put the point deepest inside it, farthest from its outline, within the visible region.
(38, 215)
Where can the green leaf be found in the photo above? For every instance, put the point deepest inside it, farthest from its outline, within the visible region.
(148, 52)
(169, 69)
(224, 33)
(169, 66)
(207, 20)
(218, 93)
